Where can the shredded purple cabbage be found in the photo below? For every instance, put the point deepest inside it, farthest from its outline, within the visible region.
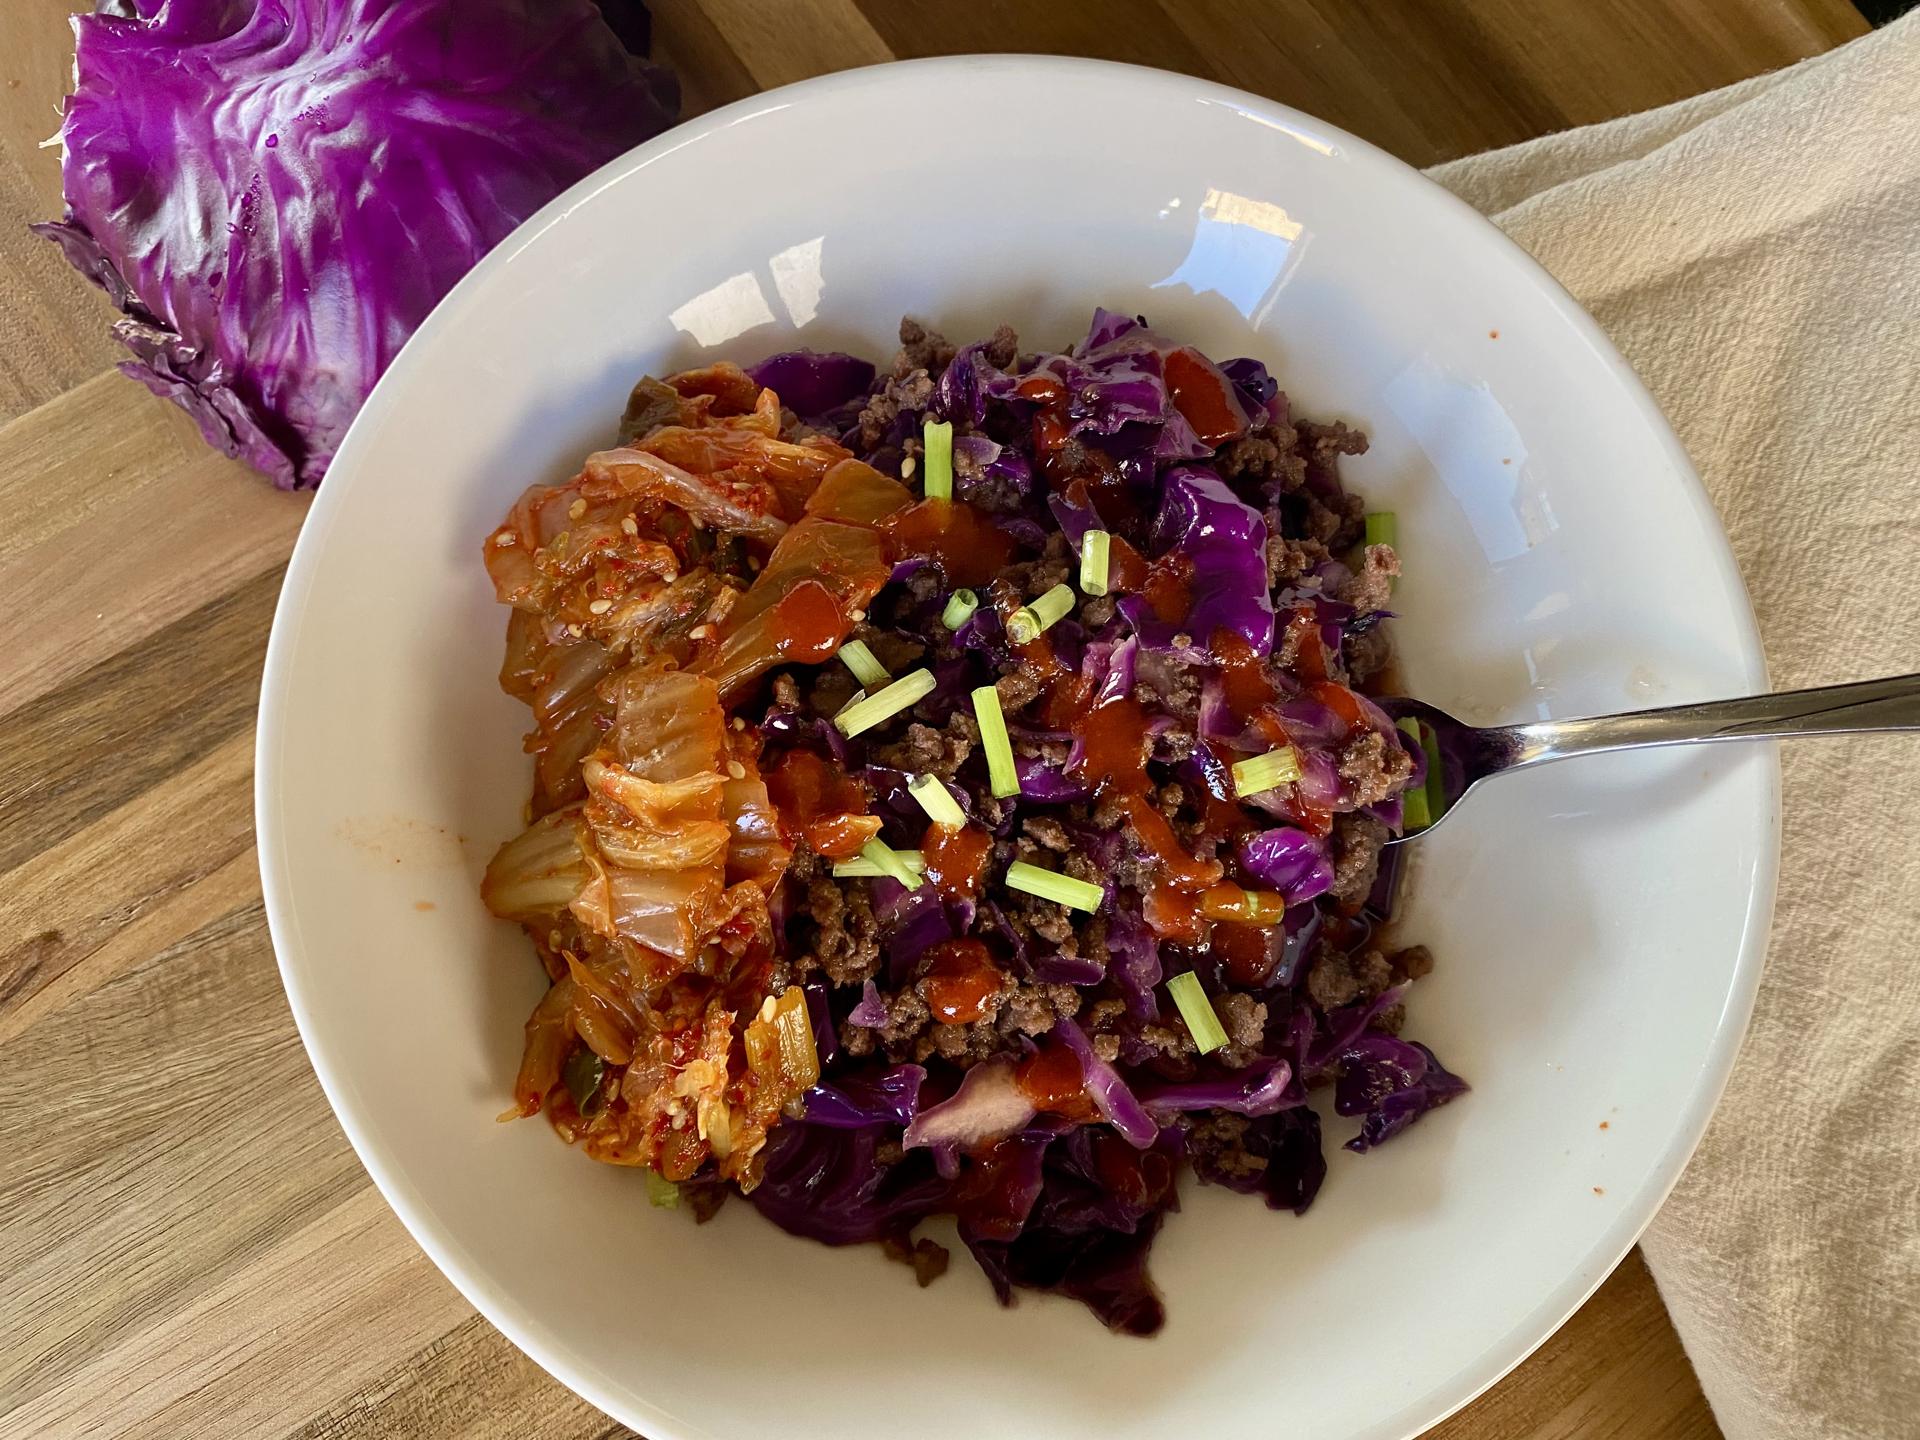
(911, 1119)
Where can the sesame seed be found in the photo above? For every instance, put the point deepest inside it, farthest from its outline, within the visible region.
(738, 723)
(504, 539)
(753, 562)
(628, 524)
(576, 510)
(906, 468)
(736, 770)
(699, 632)
(575, 631)
(857, 615)
(600, 607)
(767, 1008)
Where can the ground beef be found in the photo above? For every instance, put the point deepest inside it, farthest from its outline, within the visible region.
(1175, 743)
(1357, 841)
(1257, 457)
(921, 349)
(899, 653)
(830, 688)
(1289, 560)
(1002, 347)
(924, 750)
(1169, 799)
(1047, 920)
(1098, 611)
(1135, 870)
(1168, 1041)
(1034, 1008)
(928, 1259)
(1373, 766)
(1175, 685)
(907, 1018)
(1371, 586)
(1034, 577)
(846, 938)
(1019, 687)
(786, 691)
(1245, 1021)
(1026, 1008)
(1412, 963)
(1045, 831)
(1217, 1148)
(1030, 746)
(1288, 650)
(1269, 456)
(911, 391)
(1020, 1008)
(1324, 443)
(1338, 978)
(1336, 522)
(1368, 654)
(962, 1045)
(924, 586)
(1082, 867)
(995, 493)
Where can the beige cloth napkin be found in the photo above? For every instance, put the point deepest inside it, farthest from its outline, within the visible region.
(1756, 255)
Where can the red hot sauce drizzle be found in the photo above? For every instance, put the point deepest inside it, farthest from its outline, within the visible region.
(957, 857)
(960, 980)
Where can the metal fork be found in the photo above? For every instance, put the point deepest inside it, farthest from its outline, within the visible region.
(1467, 754)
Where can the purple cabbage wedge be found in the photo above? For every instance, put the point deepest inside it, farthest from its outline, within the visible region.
(276, 192)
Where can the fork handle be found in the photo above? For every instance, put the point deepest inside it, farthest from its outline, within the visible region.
(1889, 704)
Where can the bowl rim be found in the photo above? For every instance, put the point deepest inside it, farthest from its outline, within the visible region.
(388, 1171)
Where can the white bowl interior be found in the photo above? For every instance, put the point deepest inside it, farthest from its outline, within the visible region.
(1597, 925)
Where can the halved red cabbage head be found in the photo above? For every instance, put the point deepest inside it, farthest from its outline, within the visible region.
(276, 192)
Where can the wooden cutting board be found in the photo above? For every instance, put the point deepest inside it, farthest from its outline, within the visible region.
(188, 1248)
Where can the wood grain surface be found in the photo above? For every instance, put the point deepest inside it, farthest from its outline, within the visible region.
(188, 1246)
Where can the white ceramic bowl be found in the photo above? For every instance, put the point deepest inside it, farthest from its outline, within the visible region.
(1599, 926)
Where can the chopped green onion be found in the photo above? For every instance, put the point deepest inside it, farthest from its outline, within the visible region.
(1202, 1023)
(937, 435)
(1095, 549)
(1437, 801)
(1051, 885)
(934, 798)
(1026, 623)
(1266, 772)
(879, 853)
(1381, 528)
(661, 1191)
(860, 660)
(960, 607)
(1002, 779)
(909, 689)
(1414, 813)
(859, 867)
